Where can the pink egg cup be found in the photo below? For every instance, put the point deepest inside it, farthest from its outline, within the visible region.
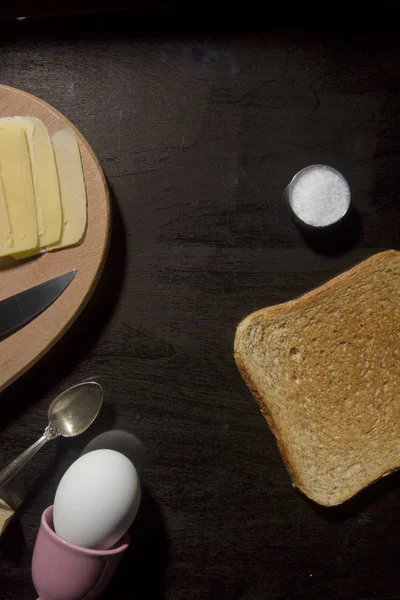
(62, 571)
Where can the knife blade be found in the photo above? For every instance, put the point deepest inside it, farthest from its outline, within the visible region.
(16, 311)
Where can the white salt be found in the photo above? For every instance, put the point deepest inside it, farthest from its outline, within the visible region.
(319, 196)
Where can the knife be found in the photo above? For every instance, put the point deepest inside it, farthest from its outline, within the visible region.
(18, 310)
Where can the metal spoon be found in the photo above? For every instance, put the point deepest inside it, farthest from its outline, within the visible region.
(70, 414)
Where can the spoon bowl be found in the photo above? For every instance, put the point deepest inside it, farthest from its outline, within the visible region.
(70, 415)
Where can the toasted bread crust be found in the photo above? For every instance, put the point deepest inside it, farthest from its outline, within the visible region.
(297, 424)
(268, 417)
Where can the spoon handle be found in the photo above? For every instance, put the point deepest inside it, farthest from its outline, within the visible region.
(16, 465)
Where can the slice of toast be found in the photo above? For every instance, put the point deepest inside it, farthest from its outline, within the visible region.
(325, 371)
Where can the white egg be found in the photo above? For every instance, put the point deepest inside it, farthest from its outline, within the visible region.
(97, 500)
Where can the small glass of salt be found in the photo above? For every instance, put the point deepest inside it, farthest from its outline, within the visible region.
(319, 196)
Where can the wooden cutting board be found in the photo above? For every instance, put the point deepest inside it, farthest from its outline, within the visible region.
(21, 350)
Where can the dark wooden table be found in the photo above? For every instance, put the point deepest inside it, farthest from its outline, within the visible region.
(198, 131)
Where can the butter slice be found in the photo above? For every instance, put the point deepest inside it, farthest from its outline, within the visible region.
(72, 188)
(45, 181)
(18, 231)
(44, 175)
(6, 238)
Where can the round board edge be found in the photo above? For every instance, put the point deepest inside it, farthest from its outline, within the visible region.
(104, 249)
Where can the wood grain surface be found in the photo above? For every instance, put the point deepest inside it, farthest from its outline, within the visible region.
(198, 128)
(23, 348)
